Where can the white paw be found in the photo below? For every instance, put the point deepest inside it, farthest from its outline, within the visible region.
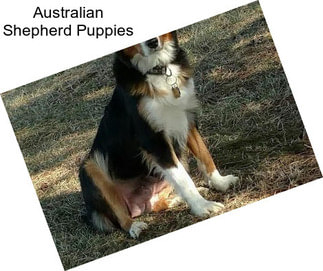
(206, 208)
(136, 228)
(221, 183)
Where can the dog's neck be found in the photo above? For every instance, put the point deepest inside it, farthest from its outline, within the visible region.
(170, 78)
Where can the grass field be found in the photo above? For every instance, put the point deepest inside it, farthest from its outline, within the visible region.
(248, 118)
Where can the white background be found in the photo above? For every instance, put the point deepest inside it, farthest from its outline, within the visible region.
(283, 232)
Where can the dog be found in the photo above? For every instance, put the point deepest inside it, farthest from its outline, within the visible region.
(137, 160)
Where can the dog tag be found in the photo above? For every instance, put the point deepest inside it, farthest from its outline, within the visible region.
(176, 91)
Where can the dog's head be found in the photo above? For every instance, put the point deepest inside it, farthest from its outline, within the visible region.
(160, 50)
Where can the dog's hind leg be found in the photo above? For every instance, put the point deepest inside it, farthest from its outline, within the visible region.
(113, 199)
(206, 164)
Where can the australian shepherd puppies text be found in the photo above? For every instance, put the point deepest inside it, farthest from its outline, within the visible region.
(137, 162)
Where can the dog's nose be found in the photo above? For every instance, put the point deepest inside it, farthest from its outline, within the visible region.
(152, 43)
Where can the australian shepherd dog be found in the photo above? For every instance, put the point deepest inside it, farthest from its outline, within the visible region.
(137, 162)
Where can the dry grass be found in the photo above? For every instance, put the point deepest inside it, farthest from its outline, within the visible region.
(248, 118)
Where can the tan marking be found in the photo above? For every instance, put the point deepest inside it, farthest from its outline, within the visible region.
(164, 199)
(142, 89)
(141, 111)
(160, 92)
(197, 146)
(174, 156)
(166, 37)
(146, 89)
(132, 50)
(109, 193)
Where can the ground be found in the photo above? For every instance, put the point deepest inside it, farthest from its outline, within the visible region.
(248, 118)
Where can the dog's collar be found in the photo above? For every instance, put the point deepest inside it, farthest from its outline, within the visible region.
(170, 78)
(157, 70)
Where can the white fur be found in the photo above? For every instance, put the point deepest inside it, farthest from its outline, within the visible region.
(185, 187)
(147, 51)
(152, 58)
(136, 228)
(101, 162)
(167, 113)
(221, 183)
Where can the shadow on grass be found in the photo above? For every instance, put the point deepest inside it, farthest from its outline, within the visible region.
(66, 110)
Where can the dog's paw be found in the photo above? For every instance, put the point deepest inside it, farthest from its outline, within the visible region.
(136, 228)
(206, 208)
(221, 183)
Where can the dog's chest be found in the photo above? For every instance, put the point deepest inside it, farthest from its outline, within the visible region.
(167, 113)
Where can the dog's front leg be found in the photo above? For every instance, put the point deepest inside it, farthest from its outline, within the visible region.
(197, 146)
(185, 187)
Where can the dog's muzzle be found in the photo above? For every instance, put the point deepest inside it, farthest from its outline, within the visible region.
(152, 43)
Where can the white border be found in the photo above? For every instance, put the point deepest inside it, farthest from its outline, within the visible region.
(283, 232)
(24, 60)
